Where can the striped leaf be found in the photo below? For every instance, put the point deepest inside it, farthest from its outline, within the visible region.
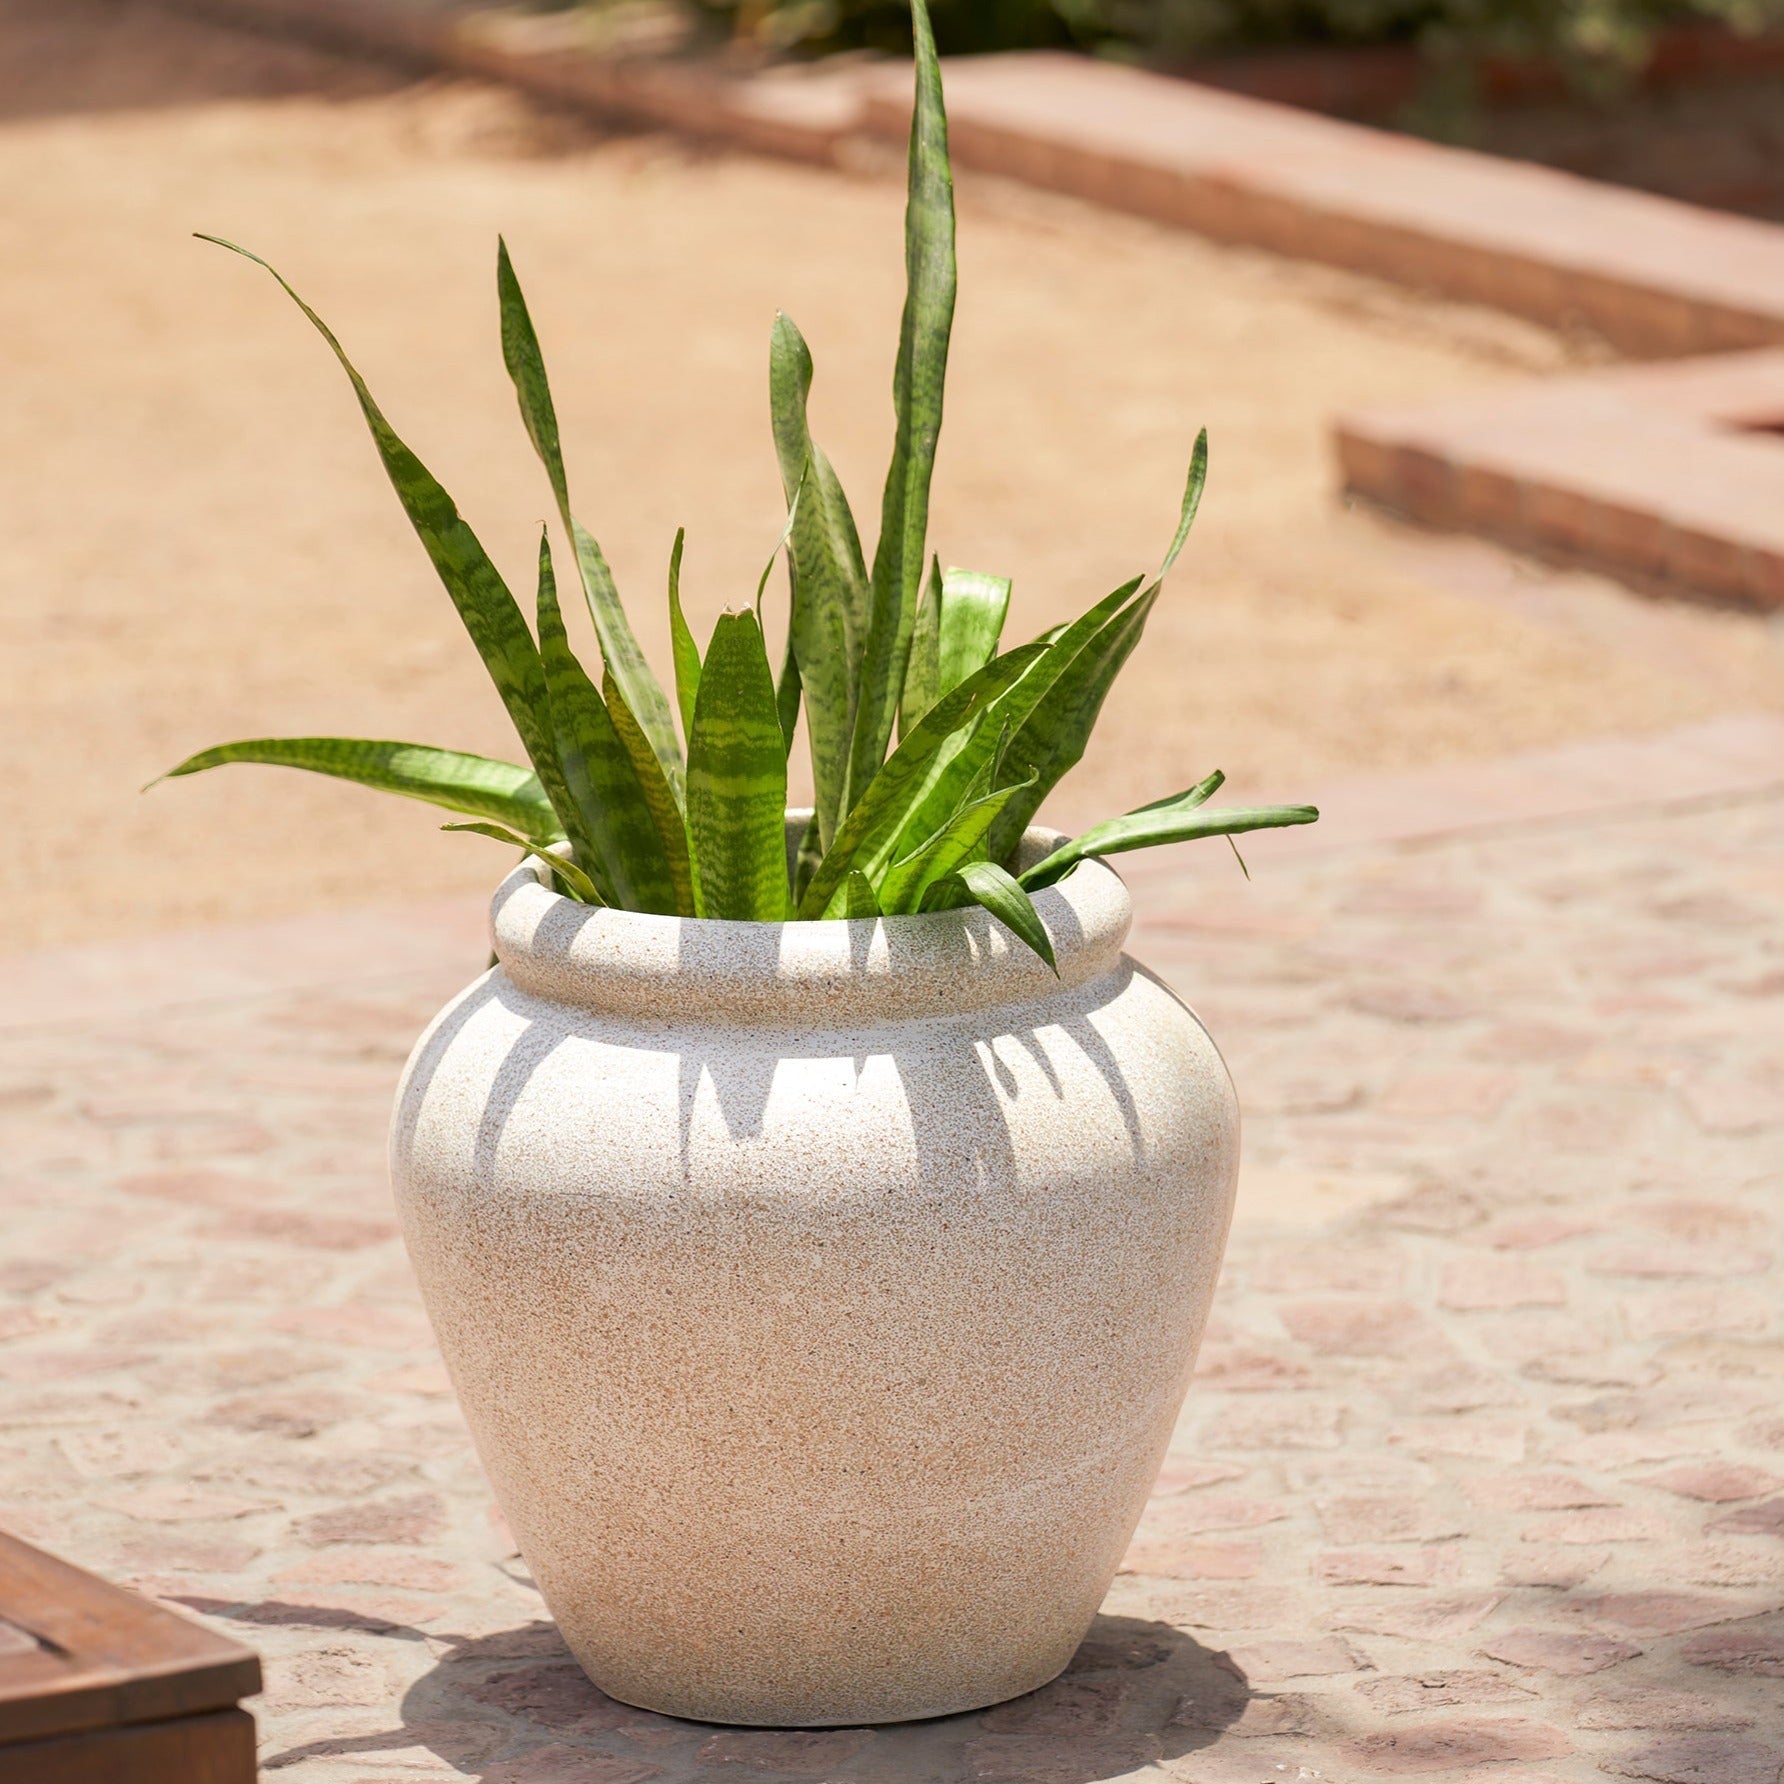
(571, 879)
(1050, 742)
(475, 785)
(986, 884)
(1183, 819)
(619, 648)
(737, 781)
(868, 834)
(923, 668)
(905, 882)
(1192, 501)
(963, 764)
(900, 556)
(485, 605)
(660, 801)
(806, 858)
(831, 596)
(1052, 739)
(618, 841)
(857, 899)
(788, 690)
(973, 606)
(681, 641)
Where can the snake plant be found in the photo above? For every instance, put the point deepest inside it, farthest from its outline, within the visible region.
(932, 747)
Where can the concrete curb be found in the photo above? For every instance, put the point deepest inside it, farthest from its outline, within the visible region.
(1663, 472)
(1583, 468)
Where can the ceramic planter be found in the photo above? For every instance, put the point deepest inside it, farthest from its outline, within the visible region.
(821, 1296)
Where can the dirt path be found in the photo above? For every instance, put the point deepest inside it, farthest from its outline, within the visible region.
(198, 544)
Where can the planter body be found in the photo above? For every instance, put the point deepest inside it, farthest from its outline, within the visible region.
(821, 1296)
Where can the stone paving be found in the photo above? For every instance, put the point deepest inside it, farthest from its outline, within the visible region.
(1482, 1477)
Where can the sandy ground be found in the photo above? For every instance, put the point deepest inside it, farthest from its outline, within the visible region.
(198, 544)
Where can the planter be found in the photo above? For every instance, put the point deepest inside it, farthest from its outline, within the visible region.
(821, 1296)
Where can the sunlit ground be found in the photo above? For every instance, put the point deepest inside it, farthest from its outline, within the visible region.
(199, 545)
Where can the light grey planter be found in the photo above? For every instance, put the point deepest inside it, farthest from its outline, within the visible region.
(821, 1296)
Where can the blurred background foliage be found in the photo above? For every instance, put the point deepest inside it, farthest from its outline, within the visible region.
(1595, 42)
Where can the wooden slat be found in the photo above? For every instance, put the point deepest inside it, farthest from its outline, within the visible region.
(217, 1748)
(106, 1657)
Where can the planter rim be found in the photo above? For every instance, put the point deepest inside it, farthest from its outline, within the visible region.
(829, 974)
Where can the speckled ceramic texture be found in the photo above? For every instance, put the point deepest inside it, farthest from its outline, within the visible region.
(821, 1296)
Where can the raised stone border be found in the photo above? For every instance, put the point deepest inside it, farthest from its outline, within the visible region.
(1647, 477)
(1661, 472)
(1654, 276)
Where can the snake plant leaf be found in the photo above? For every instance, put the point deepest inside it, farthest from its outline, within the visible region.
(1052, 740)
(737, 781)
(476, 785)
(574, 881)
(681, 641)
(962, 764)
(806, 858)
(619, 648)
(1147, 828)
(973, 606)
(900, 557)
(618, 840)
(1192, 500)
(991, 887)
(788, 690)
(1199, 794)
(831, 596)
(922, 669)
(866, 837)
(905, 882)
(1050, 743)
(489, 611)
(857, 899)
(660, 799)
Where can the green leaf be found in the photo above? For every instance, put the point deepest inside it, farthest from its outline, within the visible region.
(973, 606)
(806, 858)
(922, 669)
(986, 884)
(831, 596)
(1192, 500)
(905, 882)
(619, 648)
(962, 766)
(1183, 820)
(487, 608)
(574, 881)
(737, 781)
(900, 556)
(787, 691)
(1051, 741)
(1199, 794)
(867, 835)
(619, 836)
(665, 808)
(857, 900)
(473, 784)
(681, 640)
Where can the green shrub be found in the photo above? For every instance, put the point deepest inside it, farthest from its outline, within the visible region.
(612, 804)
(1585, 37)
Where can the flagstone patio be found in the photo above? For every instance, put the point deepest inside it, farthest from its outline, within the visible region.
(1482, 1477)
